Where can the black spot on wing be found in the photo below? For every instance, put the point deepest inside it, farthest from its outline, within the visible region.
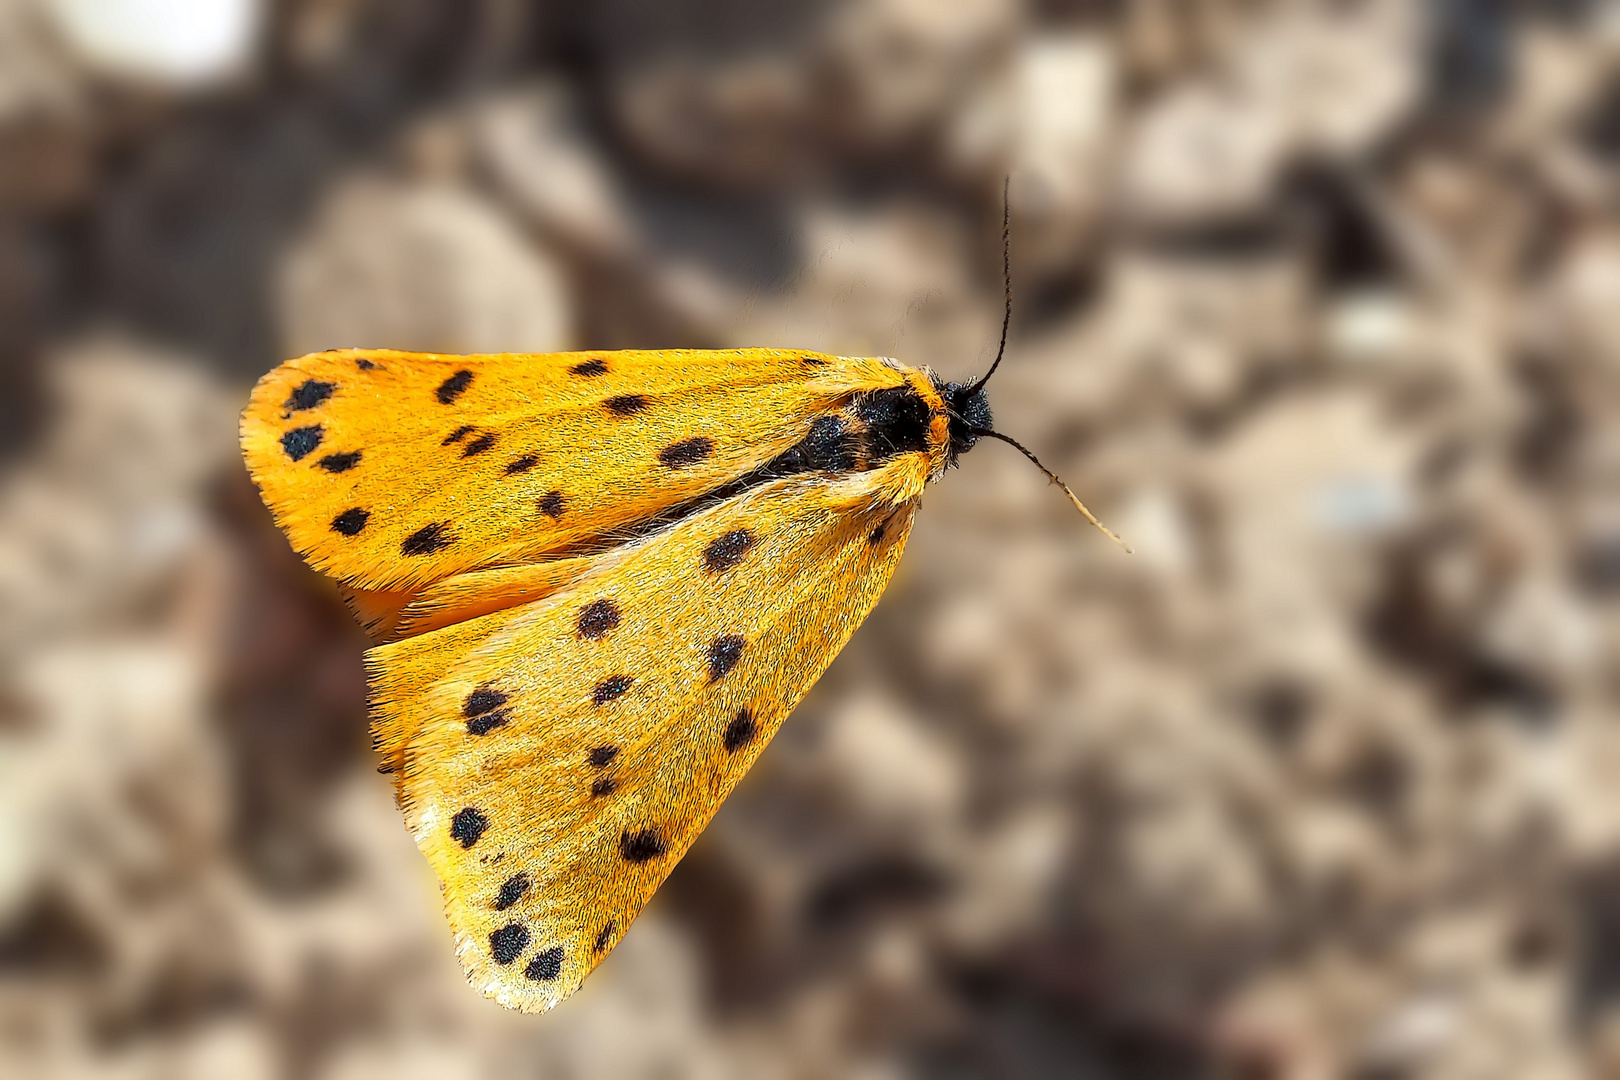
(483, 711)
(483, 725)
(726, 551)
(740, 732)
(610, 688)
(512, 890)
(546, 965)
(625, 404)
(467, 826)
(597, 618)
(482, 700)
(299, 443)
(687, 452)
(521, 465)
(603, 938)
(336, 463)
(551, 504)
(814, 361)
(724, 653)
(478, 445)
(453, 387)
(641, 846)
(508, 943)
(457, 435)
(428, 539)
(600, 758)
(363, 364)
(351, 521)
(310, 393)
(590, 368)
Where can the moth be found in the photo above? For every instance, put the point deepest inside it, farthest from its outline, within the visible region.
(598, 583)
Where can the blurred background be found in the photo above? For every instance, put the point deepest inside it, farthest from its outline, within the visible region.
(1318, 304)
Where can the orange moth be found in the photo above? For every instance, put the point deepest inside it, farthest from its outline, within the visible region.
(598, 583)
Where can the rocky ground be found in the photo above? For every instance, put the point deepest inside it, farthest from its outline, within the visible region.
(1319, 305)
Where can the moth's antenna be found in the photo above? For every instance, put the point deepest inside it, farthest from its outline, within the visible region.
(1006, 277)
(1001, 350)
(1052, 476)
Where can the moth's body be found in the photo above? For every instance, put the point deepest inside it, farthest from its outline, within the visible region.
(600, 582)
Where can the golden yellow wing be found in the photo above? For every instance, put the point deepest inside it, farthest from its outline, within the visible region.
(556, 759)
(393, 470)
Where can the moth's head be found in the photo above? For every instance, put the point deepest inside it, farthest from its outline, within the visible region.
(967, 414)
(968, 410)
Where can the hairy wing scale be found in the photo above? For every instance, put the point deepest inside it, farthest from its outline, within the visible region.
(820, 553)
(393, 470)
